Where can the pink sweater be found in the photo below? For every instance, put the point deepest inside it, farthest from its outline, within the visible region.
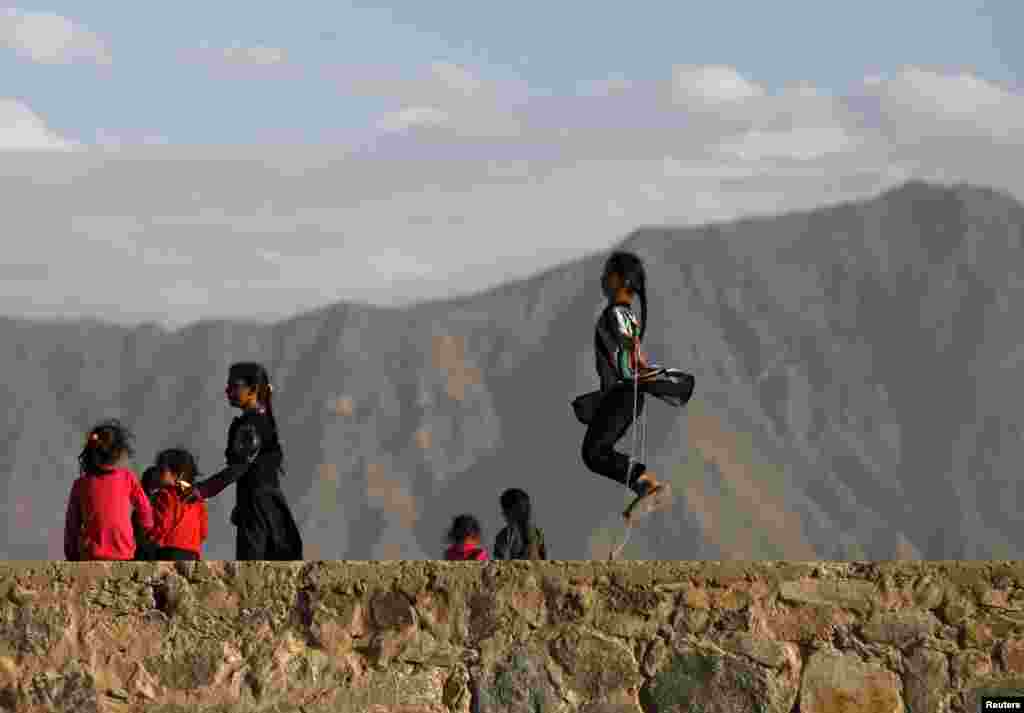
(98, 525)
(462, 551)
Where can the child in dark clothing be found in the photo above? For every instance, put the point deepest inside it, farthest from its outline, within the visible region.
(520, 540)
(180, 522)
(464, 539)
(98, 523)
(266, 528)
(145, 550)
(626, 376)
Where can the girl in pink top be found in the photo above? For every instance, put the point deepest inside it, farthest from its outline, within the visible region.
(465, 540)
(98, 524)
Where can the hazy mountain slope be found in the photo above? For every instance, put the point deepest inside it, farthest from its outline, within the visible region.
(855, 369)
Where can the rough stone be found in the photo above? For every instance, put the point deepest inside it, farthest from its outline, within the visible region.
(72, 690)
(855, 595)
(770, 653)
(705, 680)
(318, 637)
(928, 593)
(901, 629)
(1011, 656)
(517, 681)
(598, 668)
(970, 667)
(842, 683)
(927, 681)
(807, 624)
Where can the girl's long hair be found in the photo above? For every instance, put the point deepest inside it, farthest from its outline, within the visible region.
(631, 269)
(515, 503)
(105, 445)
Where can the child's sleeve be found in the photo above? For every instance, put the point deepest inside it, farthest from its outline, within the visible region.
(72, 524)
(162, 517)
(212, 486)
(482, 556)
(141, 504)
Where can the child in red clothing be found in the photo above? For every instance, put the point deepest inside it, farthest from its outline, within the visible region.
(181, 522)
(465, 540)
(98, 523)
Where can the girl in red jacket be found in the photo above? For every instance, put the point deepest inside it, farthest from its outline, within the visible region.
(181, 522)
(98, 524)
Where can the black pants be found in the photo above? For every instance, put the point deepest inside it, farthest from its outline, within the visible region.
(173, 554)
(607, 427)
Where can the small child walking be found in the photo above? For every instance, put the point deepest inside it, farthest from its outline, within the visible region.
(145, 550)
(181, 523)
(464, 540)
(98, 522)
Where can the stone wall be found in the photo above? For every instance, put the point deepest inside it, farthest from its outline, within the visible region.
(438, 637)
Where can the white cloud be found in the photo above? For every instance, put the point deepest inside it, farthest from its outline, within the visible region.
(442, 96)
(237, 56)
(456, 78)
(946, 105)
(47, 38)
(803, 144)
(393, 263)
(258, 55)
(714, 84)
(410, 117)
(21, 129)
(445, 203)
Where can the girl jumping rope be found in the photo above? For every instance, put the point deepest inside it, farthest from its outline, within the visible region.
(626, 377)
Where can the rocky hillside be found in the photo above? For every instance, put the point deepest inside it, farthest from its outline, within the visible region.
(855, 369)
(559, 637)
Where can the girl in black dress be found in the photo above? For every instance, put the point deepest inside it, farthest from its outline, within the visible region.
(266, 529)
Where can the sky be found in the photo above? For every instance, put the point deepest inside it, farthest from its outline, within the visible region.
(191, 161)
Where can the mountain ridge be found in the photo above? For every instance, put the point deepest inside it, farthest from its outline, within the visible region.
(812, 431)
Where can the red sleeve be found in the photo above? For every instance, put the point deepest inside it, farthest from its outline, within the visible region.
(204, 522)
(162, 517)
(72, 524)
(141, 504)
(482, 556)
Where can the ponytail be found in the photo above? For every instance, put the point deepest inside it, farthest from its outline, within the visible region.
(254, 375)
(265, 394)
(641, 292)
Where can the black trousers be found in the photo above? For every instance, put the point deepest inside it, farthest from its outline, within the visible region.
(609, 424)
(173, 554)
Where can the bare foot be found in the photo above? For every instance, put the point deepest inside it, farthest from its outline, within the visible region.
(652, 498)
(658, 499)
(650, 478)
